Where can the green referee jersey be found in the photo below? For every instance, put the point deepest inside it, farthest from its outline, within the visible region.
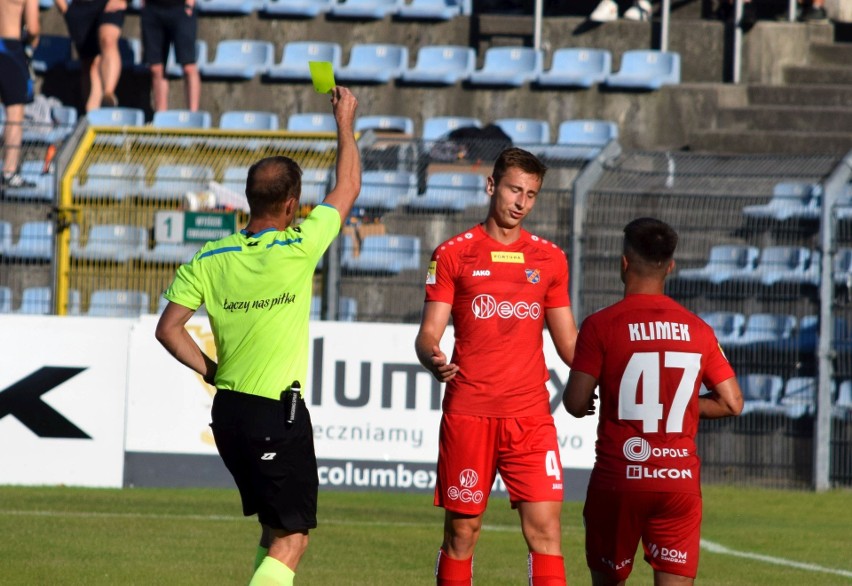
(257, 289)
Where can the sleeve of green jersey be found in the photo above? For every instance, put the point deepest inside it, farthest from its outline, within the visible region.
(185, 289)
(320, 229)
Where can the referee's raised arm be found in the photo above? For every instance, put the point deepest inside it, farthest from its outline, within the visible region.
(348, 182)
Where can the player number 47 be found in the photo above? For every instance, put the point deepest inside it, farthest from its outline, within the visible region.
(645, 367)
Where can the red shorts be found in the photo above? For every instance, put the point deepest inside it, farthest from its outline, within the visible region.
(473, 449)
(668, 524)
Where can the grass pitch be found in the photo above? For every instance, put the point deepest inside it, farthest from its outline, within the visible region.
(195, 536)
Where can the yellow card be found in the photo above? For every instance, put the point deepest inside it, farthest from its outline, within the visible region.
(322, 75)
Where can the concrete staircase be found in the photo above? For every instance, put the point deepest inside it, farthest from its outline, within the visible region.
(809, 113)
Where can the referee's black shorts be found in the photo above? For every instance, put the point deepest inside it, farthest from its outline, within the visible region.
(273, 462)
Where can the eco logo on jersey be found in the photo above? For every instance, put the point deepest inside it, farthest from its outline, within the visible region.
(485, 306)
(468, 479)
(511, 257)
(533, 275)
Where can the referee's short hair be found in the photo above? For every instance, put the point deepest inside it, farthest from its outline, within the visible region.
(650, 239)
(270, 182)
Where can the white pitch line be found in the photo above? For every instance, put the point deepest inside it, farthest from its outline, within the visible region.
(718, 548)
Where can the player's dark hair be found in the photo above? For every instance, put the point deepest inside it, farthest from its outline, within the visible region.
(270, 182)
(523, 160)
(651, 240)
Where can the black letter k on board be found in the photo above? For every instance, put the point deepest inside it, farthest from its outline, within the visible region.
(23, 401)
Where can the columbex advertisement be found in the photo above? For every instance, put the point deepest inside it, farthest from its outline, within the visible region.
(375, 410)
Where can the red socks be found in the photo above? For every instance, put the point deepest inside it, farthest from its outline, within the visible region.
(450, 572)
(546, 570)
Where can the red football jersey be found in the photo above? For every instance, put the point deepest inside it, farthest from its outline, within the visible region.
(649, 355)
(499, 294)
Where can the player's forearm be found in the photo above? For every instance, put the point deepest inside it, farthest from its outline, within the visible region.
(713, 406)
(180, 344)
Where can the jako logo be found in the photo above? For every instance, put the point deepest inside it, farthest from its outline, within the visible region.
(468, 479)
(481, 273)
(485, 306)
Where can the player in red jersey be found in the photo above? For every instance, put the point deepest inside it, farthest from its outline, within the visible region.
(648, 356)
(501, 284)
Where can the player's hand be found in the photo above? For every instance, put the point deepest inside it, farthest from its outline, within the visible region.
(591, 408)
(344, 104)
(442, 370)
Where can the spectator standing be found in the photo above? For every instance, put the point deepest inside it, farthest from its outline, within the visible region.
(256, 285)
(648, 356)
(171, 23)
(16, 85)
(95, 28)
(501, 284)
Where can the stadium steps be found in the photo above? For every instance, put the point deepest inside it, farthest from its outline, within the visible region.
(787, 117)
(776, 142)
(818, 74)
(825, 96)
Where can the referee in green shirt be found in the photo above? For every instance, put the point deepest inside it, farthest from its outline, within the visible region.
(256, 286)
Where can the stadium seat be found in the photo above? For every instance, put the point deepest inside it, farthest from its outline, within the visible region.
(451, 192)
(5, 236)
(385, 254)
(843, 268)
(439, 127)
(312, 122)
(440, 65)
(646, 69)
(365, 9)
(181, 119)
(347, 308)
(296, 56)
(228, 6)
(727, 325)
(63, 121)
(842, 408)
(53, 51)
(315, 185)
(172, 181)
(296, 8)
(782, 264)
(234, 178)
(175, 70)
(761, 393)
(113, 242)
(507, 66)
(116, 117)
(790, 201)
(766, 328)
(726, 262)
(114, 181)
(245, 120)
(431, 10)
(117, 303)
(581, 139)
(44, 189)
(575, 67)
(525, 131)
(401, 124)
(5, 299)
(39, 301)
(374, 63)
(171, 252)
(385, 190)
(239, 59)
(799, 397)
(35, 241)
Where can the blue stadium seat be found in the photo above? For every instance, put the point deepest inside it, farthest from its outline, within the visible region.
(52, 52)
(451, 192)
(799, 397)
(234, 178)
(790, 201)
(365, 9)
(315, 185)
(726, 262)
(118, 303)
(228, 6)
(508, 66)
(386, 190)
(385, 254)
(525, 131)
(842, 408)
(175, 70)
(761, 393)
(44, 189)
(581, 139)
(646, 69)
(5, 299)
(843, 268)
(114, 181)
(430, 10)
(116, 117)
(441, 65)
(727, 325)
(246, 120)
(172, 181)
(63, 121)
(296, 8)
(402, 124)
(171, 252)
(438, 127)
(575, 67)
(347, 308)
(181, 119)
(785, 264)
(764, 328)
(312, 122)
(113, 242)
(39, 301)
(296, 56)
(5, 236)
(239, 59)
(35, 241)
(374, 63)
